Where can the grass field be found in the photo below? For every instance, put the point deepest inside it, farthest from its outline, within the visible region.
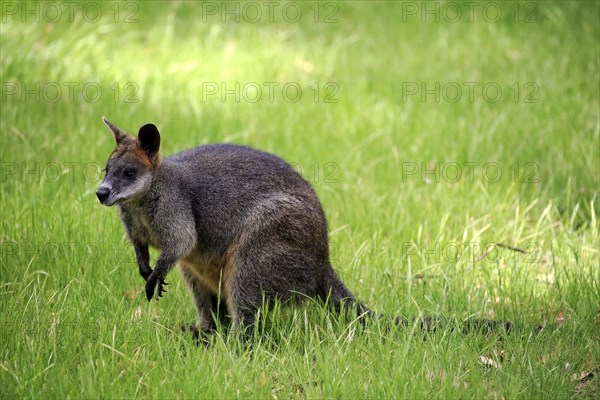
(430, 131)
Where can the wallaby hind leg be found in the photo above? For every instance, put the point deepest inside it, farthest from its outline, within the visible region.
(208, 307)
(269, 272)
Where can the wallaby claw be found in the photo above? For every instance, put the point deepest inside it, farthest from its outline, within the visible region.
(161, 288)
(151, 283)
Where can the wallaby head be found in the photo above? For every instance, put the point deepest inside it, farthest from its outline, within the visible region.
(131, 166)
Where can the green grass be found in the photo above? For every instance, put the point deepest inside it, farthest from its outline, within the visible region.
(74, 320)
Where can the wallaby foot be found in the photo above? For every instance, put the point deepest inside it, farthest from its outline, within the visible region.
(209, 308)
(200, 336)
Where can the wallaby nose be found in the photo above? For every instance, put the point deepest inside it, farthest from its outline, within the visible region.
(102, 193)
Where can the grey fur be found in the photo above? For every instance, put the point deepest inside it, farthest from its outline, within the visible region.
(242, 225)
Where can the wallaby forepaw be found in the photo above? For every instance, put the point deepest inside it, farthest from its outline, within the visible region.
(151, 283)
(150, 286)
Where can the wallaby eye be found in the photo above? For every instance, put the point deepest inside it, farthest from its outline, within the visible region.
(129, 173)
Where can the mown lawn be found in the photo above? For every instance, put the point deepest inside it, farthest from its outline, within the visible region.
(430, 130)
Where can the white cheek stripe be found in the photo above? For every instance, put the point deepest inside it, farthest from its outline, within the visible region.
(133, 189)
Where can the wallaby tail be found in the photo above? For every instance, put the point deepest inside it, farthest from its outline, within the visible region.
(485, 326)
(334, 290)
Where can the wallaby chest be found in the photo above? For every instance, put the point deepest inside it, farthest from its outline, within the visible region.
(141, 225)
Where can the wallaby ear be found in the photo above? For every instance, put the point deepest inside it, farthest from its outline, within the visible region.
(120, 136)
(149, 140)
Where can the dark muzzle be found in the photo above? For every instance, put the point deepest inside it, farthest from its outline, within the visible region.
(102, 193)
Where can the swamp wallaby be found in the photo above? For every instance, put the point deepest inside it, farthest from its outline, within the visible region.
(242, 225)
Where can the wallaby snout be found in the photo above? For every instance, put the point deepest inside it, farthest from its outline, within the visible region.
(102, 193)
